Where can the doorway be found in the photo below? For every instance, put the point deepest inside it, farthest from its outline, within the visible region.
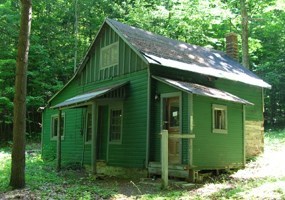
(171, 118)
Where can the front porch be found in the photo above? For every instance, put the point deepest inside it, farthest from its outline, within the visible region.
(174, 170)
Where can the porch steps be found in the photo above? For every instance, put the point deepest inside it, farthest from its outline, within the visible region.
(177, 171)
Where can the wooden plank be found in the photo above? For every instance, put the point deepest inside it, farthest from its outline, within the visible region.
(171, 172)
(164, 158)
(190, 147)
(175, 167)
(182, 136)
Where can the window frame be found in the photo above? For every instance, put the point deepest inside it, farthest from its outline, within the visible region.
(88, 112)
(118, 141)
(107, 48)
(53, 117)
(223, 108)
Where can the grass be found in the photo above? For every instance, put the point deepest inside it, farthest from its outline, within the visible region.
(262, 178)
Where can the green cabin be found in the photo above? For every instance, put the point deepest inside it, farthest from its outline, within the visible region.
(133, 85)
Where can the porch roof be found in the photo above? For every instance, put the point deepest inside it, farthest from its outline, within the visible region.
(81, 99)
(202, 90)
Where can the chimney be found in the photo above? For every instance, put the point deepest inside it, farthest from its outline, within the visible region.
(232, 45)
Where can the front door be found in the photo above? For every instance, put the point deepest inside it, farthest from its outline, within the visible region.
(172, 124)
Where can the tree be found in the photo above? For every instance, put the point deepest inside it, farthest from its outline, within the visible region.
(17, 179)
(244, 35)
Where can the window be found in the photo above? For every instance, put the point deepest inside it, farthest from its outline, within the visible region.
(115, 125)
(219, 119)
(110, 55)
(88, 127)
(54, 125)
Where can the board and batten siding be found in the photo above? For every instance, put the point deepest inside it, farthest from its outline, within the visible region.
(217, 150)
(131, 152)
(128, 62)
(72, 142)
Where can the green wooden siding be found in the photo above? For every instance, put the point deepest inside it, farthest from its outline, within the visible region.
(72, 144)
(250, 93)
(102, 132)
(129, 61)
(210, 150)
(131, 153)
(216, 150)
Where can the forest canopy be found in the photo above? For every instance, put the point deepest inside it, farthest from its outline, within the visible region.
(63, 30)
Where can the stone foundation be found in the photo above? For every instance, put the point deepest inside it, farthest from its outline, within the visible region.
(254, 138)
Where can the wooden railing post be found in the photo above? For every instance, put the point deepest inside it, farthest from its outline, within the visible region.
(164, 158)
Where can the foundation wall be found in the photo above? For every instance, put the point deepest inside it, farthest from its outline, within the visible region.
(254, 138)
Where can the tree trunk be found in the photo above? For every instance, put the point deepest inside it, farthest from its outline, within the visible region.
(244, 35)
(17, 179)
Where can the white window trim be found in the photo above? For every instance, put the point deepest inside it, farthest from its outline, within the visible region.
(101, 55)
(114, 107)
(88, 111)
(51, 127)
(219, 107)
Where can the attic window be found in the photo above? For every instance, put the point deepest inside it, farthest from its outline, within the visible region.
(219, 119)
(110, 55)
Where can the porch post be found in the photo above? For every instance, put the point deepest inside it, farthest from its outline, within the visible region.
(58, 153)
(244, 135)
(164, 158)
(94, 139)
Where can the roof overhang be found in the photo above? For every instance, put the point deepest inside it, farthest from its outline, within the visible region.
(201, 90)
(86, 98)
(193, 67)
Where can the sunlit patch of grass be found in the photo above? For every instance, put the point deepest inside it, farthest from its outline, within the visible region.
(5, 165)
(267, 190)
(271, 163)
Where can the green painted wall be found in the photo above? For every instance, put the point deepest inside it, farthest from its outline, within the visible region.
(250, 93)
(132, 151)
(214, 150)
(210, 150)
(103, 128)
(129, 61)
(72, 143)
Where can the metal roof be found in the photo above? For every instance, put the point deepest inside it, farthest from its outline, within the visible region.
(202, 90)
(167, 52)
(79, 100)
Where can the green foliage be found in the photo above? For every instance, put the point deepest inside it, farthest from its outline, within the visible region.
(49, 152)
(5, 165)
